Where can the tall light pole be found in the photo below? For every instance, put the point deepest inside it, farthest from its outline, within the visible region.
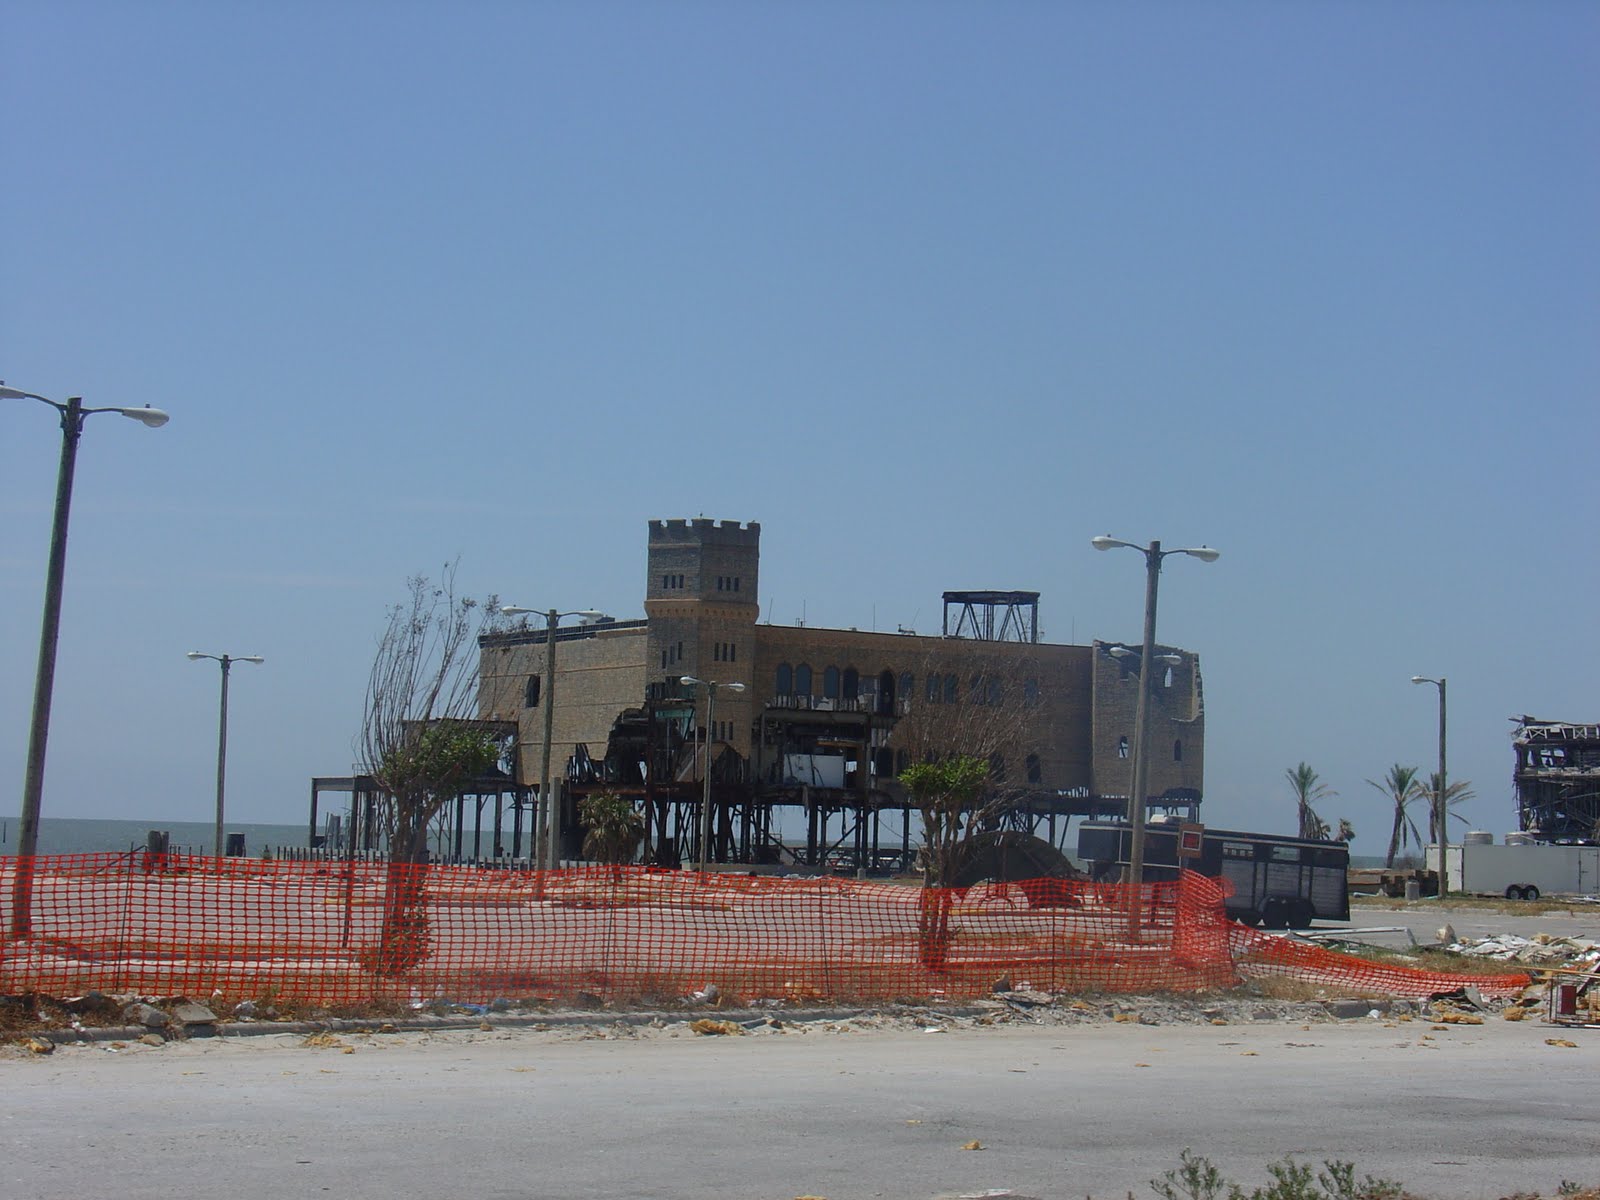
(1153, 554)
(227, 661)
(1441, 812)
(544, 821)
(711, 687)
(73, 415)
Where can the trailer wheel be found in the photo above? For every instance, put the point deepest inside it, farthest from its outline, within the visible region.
(1513, 892)
(1301, 914)
(1530, 892)
(1274, 914)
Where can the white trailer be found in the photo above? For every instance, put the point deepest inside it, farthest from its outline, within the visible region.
(1521, 872)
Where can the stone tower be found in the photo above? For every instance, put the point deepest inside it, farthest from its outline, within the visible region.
(701, 600)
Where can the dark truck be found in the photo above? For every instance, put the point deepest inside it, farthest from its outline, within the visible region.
(1277, 882)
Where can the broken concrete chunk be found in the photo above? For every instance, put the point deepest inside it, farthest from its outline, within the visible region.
(187, 1012)
(147, 1015)
(1345, 1010)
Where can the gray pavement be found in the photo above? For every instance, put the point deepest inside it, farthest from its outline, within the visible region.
(837, 1110)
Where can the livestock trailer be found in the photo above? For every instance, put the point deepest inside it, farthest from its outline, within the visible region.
(1279, 882)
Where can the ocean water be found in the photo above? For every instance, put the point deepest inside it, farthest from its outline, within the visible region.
(60, 835)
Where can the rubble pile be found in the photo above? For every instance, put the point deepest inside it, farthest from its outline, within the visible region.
(1540, 950)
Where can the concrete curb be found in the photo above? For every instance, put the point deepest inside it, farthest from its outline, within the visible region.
(473, 1022)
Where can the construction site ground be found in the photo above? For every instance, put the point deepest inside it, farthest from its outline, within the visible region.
(1019, 1095)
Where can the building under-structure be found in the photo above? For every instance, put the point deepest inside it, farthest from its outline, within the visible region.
(803, 761)
(1557, 779)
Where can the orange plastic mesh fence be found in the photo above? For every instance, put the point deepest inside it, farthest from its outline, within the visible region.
(1259, 955)
(337, 934)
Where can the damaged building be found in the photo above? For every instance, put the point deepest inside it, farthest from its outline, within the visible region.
(1557, 779)
(803, 760)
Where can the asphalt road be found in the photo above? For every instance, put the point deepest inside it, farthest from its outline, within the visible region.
(1067, 1111)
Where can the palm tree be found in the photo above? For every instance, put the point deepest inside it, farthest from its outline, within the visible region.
(1303, 781)
(1403, 788)
(614, 828)
(1455, 794)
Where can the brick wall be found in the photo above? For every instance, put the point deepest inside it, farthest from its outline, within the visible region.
(596, 678)
(1176, 719)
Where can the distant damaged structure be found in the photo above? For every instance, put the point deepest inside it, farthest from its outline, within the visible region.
(1557, 779)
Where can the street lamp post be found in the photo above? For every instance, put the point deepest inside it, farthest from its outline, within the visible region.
(227, 661)
(1441, 812)
(73, 415)
(1153, 554)
(711, 687)
(545, 826)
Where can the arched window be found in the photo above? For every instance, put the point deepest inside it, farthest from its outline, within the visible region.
(935, 688)
(907, 682)
(952, 689)
(802, 680)
(1030, 692)
(1177, 751)
(530, 694)
(1034, 773)
(978, 693)
(1122, 747)
(785, 683)
(996, 691)
(830, 683)
(852, 683)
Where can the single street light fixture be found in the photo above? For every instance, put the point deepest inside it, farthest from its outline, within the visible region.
(545, 850)
(1153, 554)
(711, 687)
(1441, 813)
(73, 414)
(227, 661)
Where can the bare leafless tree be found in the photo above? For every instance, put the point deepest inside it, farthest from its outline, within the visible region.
(421, 742)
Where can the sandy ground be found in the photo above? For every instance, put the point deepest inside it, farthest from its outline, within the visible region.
(1073, 1105)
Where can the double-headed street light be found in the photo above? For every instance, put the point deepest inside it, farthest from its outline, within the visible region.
(545, 824)
(711, 686)
(73, 414)
(1153, 554)
(1441, 812)
(227, 661)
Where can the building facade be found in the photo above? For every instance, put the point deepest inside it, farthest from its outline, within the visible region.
(828, 717)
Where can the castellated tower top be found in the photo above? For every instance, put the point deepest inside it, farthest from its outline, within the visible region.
(703, 560)
(702, 531)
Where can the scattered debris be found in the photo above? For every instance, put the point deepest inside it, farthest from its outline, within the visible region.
(709, 1028)
(1541, 949)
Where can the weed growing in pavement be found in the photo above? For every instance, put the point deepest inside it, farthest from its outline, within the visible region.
(1196, 1177)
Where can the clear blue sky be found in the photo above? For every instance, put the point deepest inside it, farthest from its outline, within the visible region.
(935, 291)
